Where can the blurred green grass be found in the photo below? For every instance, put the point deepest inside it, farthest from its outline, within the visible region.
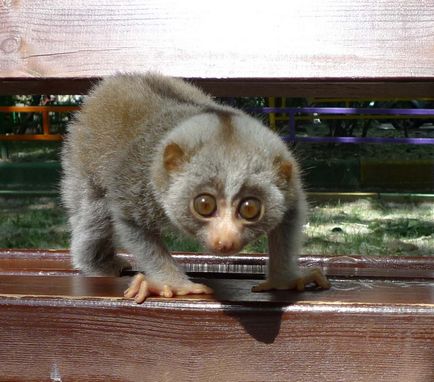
(364, 227)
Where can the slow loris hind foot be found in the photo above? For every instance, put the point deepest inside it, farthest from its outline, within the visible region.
(141, 288)
(310, 276)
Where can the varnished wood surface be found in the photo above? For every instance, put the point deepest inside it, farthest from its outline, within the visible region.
(117, 341)
(90, 334)
(58, 262)
(313, 47)
(389, 295)
(56, 325)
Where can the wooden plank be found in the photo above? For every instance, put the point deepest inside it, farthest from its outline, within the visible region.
(313, 47)
(354, 87)
(242, 87)
(58, 262)
(76, 329)
(394, 294)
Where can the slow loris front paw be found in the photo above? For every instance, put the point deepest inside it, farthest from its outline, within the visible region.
(141, 288)
(310, 276)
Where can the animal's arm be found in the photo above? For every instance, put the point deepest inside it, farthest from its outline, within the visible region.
(162, 276)
(284, 244)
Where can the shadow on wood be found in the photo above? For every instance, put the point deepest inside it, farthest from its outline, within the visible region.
(57, 322)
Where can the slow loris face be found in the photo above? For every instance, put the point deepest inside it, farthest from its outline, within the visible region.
(224, 222)
(226, 189)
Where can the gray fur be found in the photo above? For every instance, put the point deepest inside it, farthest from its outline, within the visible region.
(115, 184)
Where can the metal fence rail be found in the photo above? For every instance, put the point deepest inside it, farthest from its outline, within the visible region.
(44, 111)
(293, 112)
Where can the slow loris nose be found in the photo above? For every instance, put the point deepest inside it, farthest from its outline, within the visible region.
(225, 245)
(224, 233)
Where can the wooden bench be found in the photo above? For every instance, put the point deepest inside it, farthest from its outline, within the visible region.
(375, 324)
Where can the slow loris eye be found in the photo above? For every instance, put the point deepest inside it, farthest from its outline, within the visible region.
(249, 208)
(205, 205)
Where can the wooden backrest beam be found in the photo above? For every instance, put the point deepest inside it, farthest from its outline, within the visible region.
(301, 48)
(239, 87)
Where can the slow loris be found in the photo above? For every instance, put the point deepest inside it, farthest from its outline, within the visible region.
(147, 151)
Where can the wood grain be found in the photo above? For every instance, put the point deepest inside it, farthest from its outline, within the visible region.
(300, 48)
(393, 294)
(58, 262)
(312, 336)
(74, 328)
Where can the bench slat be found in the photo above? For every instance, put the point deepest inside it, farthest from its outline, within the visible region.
(327, 47)
(58, 262)
(75, 328)
(224, 87)
(78, 329)
(384, 292)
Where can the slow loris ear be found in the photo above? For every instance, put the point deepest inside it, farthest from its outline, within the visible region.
(284, 168)
(173, 157)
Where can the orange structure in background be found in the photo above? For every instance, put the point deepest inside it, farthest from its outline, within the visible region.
(44, 110)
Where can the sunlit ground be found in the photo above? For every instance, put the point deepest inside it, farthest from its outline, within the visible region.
(364, 227)
(371, 227)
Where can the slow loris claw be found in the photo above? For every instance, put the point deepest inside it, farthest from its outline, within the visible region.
(310, 276)
(141, 288)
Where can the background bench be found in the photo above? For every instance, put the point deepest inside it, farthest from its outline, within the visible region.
(376, 323)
